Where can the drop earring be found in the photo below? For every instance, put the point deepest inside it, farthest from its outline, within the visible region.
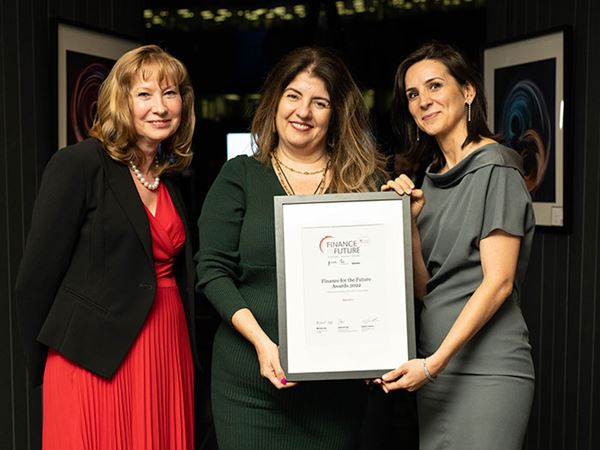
(418, 134)
(468, 112)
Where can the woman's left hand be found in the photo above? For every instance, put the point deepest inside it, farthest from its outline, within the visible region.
(410, 376)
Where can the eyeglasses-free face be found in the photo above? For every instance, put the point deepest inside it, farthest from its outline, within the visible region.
(436, 101)
(303, 115)
(155, 106)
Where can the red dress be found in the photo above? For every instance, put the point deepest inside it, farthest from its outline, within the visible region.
(149, 403)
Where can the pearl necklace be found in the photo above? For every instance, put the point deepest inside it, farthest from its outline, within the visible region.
(140, 177)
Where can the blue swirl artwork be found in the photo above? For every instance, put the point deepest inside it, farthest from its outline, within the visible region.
(85, 74)
(524, 114)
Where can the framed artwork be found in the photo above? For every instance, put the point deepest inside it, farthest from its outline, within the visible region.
(344, 285)
(525, 87)
(84, 59)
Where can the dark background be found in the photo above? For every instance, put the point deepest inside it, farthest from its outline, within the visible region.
(561, 292)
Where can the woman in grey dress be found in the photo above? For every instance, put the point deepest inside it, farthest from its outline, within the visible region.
(472, 230)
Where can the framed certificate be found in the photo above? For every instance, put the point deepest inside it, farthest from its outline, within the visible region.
(344, 279)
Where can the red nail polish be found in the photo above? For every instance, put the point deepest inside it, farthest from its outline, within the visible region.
(283, 381)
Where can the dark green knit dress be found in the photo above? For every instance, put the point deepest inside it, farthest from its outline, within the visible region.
(236, 269)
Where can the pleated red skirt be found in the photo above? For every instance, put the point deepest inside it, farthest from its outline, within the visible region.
(149, 402)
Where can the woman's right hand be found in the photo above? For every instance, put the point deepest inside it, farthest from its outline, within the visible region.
(268, 353)
(270, 365)
(403, 185)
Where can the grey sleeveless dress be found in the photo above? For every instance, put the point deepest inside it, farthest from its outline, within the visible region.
(483, 398)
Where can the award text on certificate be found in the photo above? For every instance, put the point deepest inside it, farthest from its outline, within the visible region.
(342, 281)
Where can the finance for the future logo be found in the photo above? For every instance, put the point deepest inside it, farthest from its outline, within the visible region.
(341, 249)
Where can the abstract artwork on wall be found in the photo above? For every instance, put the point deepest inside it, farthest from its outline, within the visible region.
(85, 57)
(524, 84)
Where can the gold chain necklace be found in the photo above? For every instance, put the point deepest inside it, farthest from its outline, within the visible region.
(285, 183)
(301, 172)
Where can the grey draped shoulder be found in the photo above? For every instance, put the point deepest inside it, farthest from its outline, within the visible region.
(488, 385)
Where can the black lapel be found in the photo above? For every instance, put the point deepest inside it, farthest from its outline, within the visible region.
(122, 185)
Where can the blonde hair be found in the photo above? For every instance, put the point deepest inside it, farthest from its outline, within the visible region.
(356, 164)
(113, 124)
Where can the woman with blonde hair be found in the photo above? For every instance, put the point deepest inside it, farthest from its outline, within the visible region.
(312, 136)
(107, 324)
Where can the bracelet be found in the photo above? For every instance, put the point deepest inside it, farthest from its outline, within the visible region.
(430, 377)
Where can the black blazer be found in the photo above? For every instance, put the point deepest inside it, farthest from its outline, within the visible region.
(86, 281)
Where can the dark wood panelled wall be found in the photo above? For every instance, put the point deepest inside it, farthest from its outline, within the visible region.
(562, 292)
(27, 121)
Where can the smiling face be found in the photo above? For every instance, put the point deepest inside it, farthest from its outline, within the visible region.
(155, 107)
(303, 115)
(436, 101)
